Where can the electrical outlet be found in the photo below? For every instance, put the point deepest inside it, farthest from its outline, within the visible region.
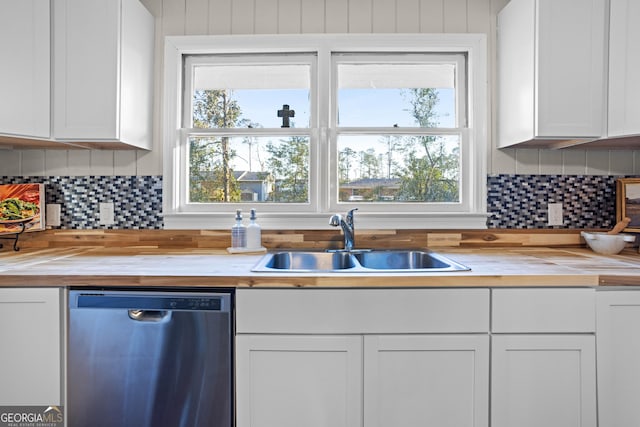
(52, 214)
(106, 214)
(554, 214)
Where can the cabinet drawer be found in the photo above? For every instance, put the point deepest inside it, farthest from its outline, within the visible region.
(543, 310)
(346, 311)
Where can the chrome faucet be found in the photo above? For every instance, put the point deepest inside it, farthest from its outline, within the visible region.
(347, 228)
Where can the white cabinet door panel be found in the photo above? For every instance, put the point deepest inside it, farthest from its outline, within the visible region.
(86, 70)
(570, 67)
(426, 380)
(25, 71)
(543, 380)
(618, 334)
(293, 381)
(624, 68)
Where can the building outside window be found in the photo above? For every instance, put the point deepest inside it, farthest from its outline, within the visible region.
(303, 126)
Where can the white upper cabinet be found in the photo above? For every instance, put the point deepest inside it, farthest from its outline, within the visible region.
(25, 71)
(551, 71)
(103, 71)
(624, 68)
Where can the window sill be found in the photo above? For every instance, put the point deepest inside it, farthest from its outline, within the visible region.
(302, 221)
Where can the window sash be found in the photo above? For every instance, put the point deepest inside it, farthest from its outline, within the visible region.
(381, 207)
(183, 189)
(293, 58)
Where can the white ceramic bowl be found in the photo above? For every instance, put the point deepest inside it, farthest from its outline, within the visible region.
(607, 244)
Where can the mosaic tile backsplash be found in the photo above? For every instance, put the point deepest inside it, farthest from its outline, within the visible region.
(137, 199)
(513, 201)
(520, 201)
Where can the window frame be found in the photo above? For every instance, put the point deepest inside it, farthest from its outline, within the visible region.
(472, 211)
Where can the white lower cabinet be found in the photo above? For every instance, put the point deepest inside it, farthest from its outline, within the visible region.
(618, 331)
(31, 342)
(422, 357)
(356, 367)
(543, 365)
(322, 381)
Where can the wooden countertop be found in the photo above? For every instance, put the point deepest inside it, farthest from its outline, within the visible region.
(96, 267)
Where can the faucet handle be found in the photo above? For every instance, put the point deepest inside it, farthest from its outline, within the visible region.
(350, 216)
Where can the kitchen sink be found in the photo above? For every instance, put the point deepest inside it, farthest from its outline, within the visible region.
(403, 260)
(308, 261)
(357, 261)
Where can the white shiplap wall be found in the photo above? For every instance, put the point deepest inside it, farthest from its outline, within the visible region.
(192, 17)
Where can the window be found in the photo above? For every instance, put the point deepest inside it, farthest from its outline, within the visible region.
(304, 126)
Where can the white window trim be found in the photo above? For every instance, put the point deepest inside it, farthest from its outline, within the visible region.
(474, 45)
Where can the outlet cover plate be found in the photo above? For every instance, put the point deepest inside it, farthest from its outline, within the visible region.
(106, 214)
(554, 215)
(52, 214)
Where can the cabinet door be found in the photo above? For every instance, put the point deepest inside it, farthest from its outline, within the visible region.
(25, 71)
(293, 381)
(86, 68)
(570, 62)
(618, 332)
(420, 380)
(30, 333)
(543, 380)
(624, 68)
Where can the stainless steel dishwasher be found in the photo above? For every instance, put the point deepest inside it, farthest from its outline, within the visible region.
(150, 359)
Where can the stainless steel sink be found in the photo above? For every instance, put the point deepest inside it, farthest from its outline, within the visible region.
(308, 261)
(406, 260)
(362, 261)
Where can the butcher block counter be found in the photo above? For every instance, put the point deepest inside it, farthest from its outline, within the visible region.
(207, 267)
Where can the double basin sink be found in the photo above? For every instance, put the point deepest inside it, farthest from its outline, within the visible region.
(357, 261)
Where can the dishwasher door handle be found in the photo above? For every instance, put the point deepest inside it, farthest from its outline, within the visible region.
(149, 315)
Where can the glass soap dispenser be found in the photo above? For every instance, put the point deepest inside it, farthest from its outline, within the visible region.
(238, 232)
